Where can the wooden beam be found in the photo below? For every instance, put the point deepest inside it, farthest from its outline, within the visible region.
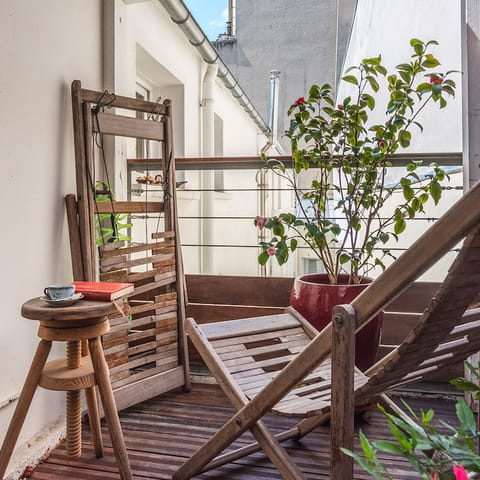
(343, 399)
(129, 207)
(111, 124)
(118, 101)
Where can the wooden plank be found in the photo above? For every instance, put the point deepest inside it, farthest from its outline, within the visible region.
(74, 236)
(81, 177)
(237, 290)
(113, 100)
(119, 125)
(204, 313)
(109, 252)
(145, 388)
(138, 207)
(135, 262)
(219, 330)
(90, 241)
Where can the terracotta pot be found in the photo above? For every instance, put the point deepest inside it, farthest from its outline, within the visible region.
(314, 298)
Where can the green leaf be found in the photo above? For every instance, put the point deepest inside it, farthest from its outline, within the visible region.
(344, 258)
(466, 417)
(430, 61)
(423, 88)
(293, 244)
(404, 138)
(465, 385)
(435, 191)
(389, 447)
(408, 193)
(399, 226)
(350, 79)
(373, 83)
(263, 258)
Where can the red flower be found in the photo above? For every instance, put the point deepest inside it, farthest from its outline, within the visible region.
(435, 475)
(259, 222)
(271, 251)
(340, 107)
(436, 80)
(299, 101)
(381, 144)
(460, 472)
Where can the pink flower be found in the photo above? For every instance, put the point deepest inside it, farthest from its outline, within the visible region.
(299, 101)
(435, 475)
(437, 80)
(460, 472)
(259, 222)
(271, 251)
(381, 144)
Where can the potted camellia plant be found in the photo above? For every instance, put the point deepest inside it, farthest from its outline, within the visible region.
(340, 215)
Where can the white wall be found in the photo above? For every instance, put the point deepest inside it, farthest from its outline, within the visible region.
(150, 29)
(386, 27)
(44, 46)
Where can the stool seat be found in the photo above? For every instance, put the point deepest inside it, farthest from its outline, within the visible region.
(83, 310)
(57, 375)
(81, 326)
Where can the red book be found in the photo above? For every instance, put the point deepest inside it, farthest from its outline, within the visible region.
(106, 291)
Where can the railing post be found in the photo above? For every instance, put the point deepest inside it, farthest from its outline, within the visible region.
(343, 404)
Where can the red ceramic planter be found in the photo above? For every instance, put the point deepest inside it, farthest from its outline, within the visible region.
(314, 298)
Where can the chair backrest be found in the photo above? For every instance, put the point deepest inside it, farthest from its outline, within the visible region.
(446, 333)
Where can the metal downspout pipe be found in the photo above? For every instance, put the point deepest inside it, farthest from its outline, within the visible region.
(208, 176)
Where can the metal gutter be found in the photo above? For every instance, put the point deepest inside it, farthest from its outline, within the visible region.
(182, 16)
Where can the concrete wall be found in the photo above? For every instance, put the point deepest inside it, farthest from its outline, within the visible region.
(44, 46)
(297, 38)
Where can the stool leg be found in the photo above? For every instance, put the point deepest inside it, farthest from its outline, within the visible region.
(93, 414)
(106, 394)
(74, 405)
(23, 404)
(94, 420)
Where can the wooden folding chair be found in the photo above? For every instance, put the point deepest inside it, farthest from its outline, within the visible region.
(280, 363)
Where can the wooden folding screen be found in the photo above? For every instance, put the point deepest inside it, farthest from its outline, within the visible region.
(145, 348)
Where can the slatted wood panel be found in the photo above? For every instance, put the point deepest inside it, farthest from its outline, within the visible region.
(143, 342)
(146, 348)
(162, 432)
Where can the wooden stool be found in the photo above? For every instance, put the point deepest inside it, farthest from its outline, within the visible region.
(75, 324)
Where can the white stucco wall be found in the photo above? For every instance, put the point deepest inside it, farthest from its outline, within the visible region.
(386, 27)
(150, 33)
(44, 46)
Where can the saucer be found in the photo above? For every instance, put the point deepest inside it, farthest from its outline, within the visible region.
(63, 302)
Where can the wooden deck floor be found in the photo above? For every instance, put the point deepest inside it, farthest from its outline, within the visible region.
(162, 432)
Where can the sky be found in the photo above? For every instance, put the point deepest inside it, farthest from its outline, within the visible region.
(211, 15)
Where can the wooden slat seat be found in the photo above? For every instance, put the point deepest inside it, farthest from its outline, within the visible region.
(254, 350)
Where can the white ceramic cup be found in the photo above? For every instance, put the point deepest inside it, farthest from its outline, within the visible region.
(59, 292)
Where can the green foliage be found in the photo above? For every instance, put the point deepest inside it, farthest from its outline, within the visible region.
(349, 156)
(108, 227)
(429, 450)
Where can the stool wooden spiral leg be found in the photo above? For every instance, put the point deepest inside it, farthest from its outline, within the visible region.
(74, 405)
